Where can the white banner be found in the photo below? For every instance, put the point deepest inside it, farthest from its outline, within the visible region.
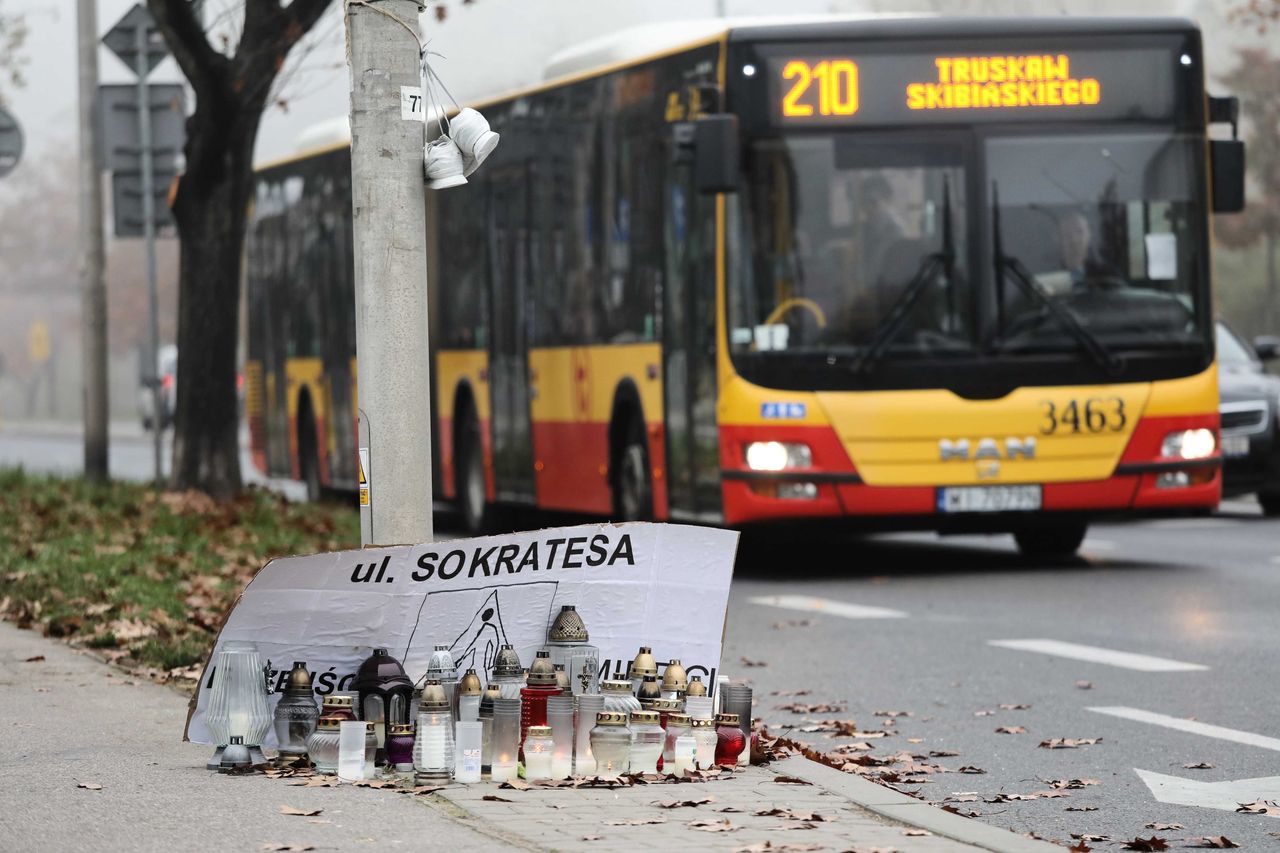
(659, 585)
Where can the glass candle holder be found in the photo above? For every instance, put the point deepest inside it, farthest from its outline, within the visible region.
(433, 748)
(469, 693)
(441, 668)
(467, 768)
(675, 682)
(699, 707)
(647, 738)
(643, 664)
(611, 744)
(729, 740)
(538, 750)
(296, 712)
(737, 700)
(238, 701)
(560, 719)
(589, 705)
(678, 725)
(505, 739)
(684, 754)
(540, 686)
(507, 673)
(322, 746)
(567, 640)
(618, 698)
(705, 739)
(372, 748)
(351, 737)
(342, 707)
(400, 740)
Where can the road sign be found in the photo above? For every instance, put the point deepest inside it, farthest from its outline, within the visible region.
(127, 202)
(122, 40)
(38, 342)
(10, 142)
(121, 134)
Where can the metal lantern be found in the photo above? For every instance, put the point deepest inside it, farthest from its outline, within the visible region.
(385, 693)
(507, 672)
(296, 712)
(238, 702)
(567, 640)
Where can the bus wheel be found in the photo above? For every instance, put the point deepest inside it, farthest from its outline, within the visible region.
(632, 486)
(1051, 541)
(469, 478)
(308, 460)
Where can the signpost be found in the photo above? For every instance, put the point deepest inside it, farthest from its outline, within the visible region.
(10, 142)
(142, 164)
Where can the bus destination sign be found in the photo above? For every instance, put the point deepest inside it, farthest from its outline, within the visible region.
(828, 88)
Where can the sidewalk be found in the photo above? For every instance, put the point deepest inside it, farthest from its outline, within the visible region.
(68, 720)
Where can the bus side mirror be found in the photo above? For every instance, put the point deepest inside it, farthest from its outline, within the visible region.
(1266, 347)
(1226, 160)
(715, 153)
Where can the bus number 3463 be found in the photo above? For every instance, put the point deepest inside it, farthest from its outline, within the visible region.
(1096, 414)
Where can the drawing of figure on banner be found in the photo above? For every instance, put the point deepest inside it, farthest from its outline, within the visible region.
(476, 623)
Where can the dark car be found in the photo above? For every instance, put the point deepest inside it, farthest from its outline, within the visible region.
(1250, 407)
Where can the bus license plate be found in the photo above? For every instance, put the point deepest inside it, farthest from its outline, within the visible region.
(1235, 445)
(989, 499)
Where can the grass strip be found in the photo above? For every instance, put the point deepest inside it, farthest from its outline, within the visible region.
(144, 576)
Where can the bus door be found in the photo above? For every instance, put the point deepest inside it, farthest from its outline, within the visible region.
(693, 455)
(508, 364)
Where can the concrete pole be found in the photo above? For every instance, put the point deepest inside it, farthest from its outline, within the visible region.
(149, 232)
(389, 215)
(93, 283)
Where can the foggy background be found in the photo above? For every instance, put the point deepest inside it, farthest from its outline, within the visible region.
(490, 46)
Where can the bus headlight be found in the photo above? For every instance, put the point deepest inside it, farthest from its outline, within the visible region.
(777, 455)
(1189, 444)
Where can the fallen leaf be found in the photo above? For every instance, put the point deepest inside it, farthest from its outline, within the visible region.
(792, 623)
(916, 833)
(591, 837)
(290, 810)
(819, 708)
(788, 814)
(791, 693)
(1199, 765)
(684, 804)
(1165, 827)
(1011, 730)
(1087, 837)
(637, 821)
(984, 713)
(749, 663)
(791, 780)
(1146, 845)
(1217, 842)
(1084, 685)
(1068, 742)
(494, 798)
(1018, 706)
(1070, 784)
(1267, 807)
(915, 740)
(891, 713)
(33, 659)
(90, 786)
(960, 812)
(1079, 848)
(974, 771)
(1080, 809)
(516, 785)
(277, 847)
(712, 825)
(770, 847)
(942, 753)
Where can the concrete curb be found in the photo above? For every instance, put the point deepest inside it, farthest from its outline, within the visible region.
(899, 807)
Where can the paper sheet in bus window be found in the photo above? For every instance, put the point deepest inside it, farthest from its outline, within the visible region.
(772, 336)
(1162, 257)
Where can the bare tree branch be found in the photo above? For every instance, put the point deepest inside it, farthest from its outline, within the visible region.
(203, 66)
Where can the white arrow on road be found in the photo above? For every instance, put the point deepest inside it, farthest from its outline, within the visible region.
(1227, 795)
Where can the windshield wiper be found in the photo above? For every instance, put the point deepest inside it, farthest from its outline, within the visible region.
(901, 309)
(1023, 278)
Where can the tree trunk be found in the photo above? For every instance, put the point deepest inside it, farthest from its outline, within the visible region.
(210, 211)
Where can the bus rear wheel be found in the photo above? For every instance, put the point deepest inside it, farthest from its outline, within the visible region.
(469, 478)
(632, 484)
(1051, 541)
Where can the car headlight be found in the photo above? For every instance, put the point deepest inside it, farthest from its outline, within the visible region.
(777, 455)
(1189, 444)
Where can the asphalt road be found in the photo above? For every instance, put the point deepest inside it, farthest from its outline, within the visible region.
(1201, 592)
(1178, 617)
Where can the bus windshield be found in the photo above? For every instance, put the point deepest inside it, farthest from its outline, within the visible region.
(866, 247)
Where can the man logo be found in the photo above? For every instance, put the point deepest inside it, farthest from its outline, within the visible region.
(986, 449)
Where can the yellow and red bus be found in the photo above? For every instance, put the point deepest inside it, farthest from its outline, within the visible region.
(879, 272)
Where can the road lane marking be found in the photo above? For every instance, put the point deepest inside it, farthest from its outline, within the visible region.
(1098, 545)
(1226, 796)
(827, 606)
(1095, 654)
(1195, 727)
